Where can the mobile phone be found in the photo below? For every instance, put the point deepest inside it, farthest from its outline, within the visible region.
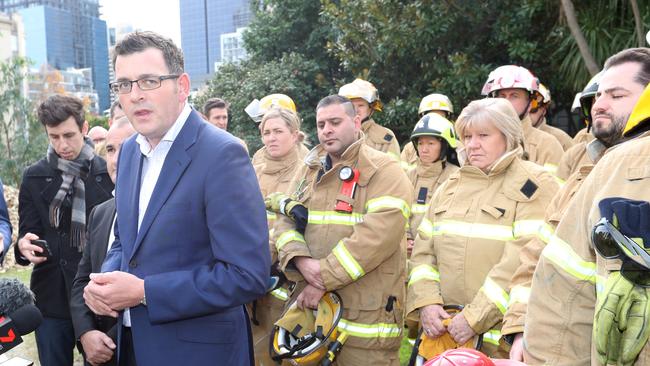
(46, 248)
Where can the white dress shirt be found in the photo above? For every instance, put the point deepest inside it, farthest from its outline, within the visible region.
(154, 158)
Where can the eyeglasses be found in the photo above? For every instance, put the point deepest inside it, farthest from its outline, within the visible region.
(145, 83)
(610, 243)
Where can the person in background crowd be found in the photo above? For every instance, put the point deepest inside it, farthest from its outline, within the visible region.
(56, 196)
(282, 140)
(353, 243)
(538, 117)
(97, 135)
(521, 88)
(469, 243)
(98, 334)
(432, 103)
(5, 226)
(215, 111)
(116, 112)
(191, 239)
(365, 97)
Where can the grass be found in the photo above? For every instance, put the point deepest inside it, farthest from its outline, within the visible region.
(27, 349)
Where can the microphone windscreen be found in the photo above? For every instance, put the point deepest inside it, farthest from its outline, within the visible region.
(13, 295)
(26, 319)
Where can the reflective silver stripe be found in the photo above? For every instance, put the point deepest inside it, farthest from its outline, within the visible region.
(496, 294)
(289, 236)
(600, 284)
(270, 215)
(333, 217)
(519, 294)
(378, 330)
(470, 230)
(280, 294)
(551, 168)
(527, 227)
(561, 253)
(351, 266)
(546, 232)
(419, 208)
(380, 203)
(426, 228)
(492, 336)
(422, 272)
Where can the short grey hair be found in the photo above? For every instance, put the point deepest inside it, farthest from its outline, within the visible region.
(497, 111)
(335, 99)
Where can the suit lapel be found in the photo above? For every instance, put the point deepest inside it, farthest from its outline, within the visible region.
(127, 193)
(176, 162)
(101, 244)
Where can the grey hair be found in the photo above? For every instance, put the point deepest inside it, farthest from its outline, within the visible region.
(497, 111)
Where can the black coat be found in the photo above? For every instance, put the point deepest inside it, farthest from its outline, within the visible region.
(51, 280)
(98, 231)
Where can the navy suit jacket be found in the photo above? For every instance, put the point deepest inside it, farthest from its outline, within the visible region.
(202, 248)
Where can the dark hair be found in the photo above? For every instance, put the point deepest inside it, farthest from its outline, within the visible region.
(337, 99)
(140, 41)
(639, 55)
(59, 108)
(214, 103)
(114, 105)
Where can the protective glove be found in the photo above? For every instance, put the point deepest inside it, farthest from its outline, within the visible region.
(606, 333)
(633, 324)
(295, 210)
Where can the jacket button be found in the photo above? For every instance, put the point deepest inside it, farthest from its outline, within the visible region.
(48, 179)
(98, 178)
(63, 262)
(133, 263)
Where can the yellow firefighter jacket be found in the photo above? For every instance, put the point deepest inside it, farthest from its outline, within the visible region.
(569, 276)
(363, 253)
(583, 136)
(513, 320)
(425, 180)
(274, 175)
(584, 153)
(468, 246)
(562, 137)
(408, 157)
(380, 138)
(541, 147)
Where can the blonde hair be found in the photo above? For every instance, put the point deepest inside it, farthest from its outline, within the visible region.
(289, 117)
(499, 112)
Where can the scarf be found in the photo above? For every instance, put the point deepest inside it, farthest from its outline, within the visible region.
(73, 174)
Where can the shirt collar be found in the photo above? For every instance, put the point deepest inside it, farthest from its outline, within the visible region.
(171, 134)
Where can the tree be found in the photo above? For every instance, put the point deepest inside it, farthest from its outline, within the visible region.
(22, 140)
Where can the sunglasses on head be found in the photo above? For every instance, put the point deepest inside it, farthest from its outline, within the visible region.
(610, 243)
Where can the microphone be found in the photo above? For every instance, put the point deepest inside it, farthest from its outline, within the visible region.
(17, 324)
(13, 295)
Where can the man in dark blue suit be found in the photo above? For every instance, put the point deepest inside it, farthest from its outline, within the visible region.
(191, 240)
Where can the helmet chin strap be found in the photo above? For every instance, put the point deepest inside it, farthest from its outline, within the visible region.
(525, 112)
(367, 118)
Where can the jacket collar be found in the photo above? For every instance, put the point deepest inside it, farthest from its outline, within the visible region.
(498, 167)
(274, 165)
(429, 170)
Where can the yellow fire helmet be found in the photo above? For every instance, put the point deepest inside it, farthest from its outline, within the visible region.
(432, 124)
(302, 337)
(435, 102)
(257, 108)
(362, 89)
(640, 114)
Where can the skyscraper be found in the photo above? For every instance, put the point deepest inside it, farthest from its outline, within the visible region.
(202, 24)
(64, 34)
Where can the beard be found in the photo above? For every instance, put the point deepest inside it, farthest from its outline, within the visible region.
(611, 134)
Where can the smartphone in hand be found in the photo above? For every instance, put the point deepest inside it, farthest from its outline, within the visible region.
(46, 248)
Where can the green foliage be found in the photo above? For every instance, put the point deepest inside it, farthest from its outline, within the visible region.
(291, 74)
(22, 140)
(95, 120)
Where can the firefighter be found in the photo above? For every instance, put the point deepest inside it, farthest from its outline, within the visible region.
(365, 98)
(569, 278)
(282, 140)
(432, 103)
(354, 242)
(256, 110)
(468, 246)
(521, 88)
(435, 143)
(538, 118)
(585, 151)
